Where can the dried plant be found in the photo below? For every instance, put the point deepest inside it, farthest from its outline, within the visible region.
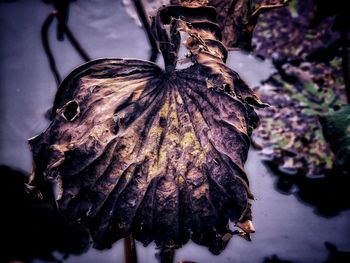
(156, 154)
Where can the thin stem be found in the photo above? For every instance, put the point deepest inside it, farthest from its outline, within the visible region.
(46, 45)
(146, 25)
(76, 44)
(62, 7)
(167, 255)
(130, 250)
(265, 7)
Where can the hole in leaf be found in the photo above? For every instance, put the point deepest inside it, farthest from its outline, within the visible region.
(71, 111)
(227, 88)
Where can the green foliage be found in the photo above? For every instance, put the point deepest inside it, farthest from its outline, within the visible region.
(336, 129)
(290, 125)
(293, 8)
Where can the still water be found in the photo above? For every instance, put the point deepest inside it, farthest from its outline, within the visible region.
(286, 226)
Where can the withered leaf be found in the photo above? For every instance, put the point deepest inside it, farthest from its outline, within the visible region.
(293, 34)
(237, 19)
(155, 153)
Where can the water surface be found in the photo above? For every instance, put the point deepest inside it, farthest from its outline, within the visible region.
(285, 226)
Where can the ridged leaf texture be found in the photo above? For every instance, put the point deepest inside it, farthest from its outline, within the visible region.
(158, 154)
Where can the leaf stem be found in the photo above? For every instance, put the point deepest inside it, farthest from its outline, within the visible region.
(130, 250)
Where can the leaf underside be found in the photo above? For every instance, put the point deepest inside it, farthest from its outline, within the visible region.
(152, 153)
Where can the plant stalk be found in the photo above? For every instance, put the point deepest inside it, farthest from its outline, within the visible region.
(130, 250)
(167, 255)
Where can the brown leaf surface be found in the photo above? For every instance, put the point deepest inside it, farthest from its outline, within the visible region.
(238, 18)
(153, 153)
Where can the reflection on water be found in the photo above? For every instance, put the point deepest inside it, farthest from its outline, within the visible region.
(336, 255)
(30, 228)
(275, 259)
(329, 195)
(286, 227)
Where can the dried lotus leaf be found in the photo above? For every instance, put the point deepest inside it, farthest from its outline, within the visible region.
(158, 154)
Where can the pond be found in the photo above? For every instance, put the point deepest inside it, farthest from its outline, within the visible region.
(286, 226)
